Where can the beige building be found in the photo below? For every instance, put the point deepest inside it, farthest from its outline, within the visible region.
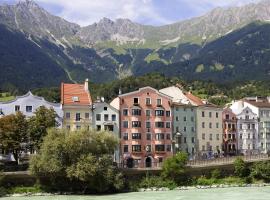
(77, 106)
(209, 130)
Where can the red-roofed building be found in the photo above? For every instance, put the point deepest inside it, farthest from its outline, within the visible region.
(76, 102)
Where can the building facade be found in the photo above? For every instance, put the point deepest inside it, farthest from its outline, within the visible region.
(77, 106)
(248, 137)
(146, 128)
(209, 131)
(106, 117)
(184, 128)
(230, 146)
(28, 104)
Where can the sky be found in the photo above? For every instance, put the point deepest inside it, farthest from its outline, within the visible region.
(148, 12)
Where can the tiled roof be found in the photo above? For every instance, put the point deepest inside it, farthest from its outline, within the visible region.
(259, 104)
(75, 94)
(195, 100)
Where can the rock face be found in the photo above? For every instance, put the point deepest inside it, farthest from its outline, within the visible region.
(193, 48)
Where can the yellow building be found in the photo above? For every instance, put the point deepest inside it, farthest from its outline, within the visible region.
(76, 103)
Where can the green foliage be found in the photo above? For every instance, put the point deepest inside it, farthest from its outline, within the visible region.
(2, 189)
(50, 94)
(216, 174)
(13, 132)
(174, 168)
(43, 119)
(240, 168)
(156, 181)
(261, 171)
(212, 181)
(21, 189)
(80, 161)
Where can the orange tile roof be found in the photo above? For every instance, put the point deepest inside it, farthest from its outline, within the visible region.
(68, 91)
(194, 99)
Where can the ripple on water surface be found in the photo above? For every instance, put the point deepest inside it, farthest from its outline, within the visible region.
(261, 193)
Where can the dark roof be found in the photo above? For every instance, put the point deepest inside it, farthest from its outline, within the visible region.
(259, 104)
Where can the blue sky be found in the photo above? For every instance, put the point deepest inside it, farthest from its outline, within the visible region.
(150, 12)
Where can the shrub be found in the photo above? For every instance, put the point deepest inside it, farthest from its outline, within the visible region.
(216, 174)
(240, 168)
(261, 170)
(157, 181)
(2, 189)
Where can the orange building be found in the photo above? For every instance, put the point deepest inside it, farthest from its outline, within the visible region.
(146, 128)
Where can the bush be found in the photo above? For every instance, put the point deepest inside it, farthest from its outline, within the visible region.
(157, 181)
(2, 189)
(240, 168)
(216, 174)
(174, 168)
(261, 171)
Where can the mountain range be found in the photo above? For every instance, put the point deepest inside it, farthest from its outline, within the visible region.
(38, 49)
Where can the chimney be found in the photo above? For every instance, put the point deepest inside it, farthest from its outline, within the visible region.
(86, 85)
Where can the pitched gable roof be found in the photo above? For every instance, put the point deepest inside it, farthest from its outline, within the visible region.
(75, 94)
(194, 99)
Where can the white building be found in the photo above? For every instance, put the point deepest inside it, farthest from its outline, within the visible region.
(28, 104)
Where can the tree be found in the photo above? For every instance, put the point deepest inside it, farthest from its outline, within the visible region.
(13, 133)
(81, 160)
(174, 168)
(43, 119)
(261, 170)
(240, 168)
(2, 189)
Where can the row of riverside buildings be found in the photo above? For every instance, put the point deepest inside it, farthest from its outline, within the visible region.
(152, 125)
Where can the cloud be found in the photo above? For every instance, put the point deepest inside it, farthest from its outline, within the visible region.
(85, 12)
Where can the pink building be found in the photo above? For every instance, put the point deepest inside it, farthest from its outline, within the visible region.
(146, 128)
(229, 132)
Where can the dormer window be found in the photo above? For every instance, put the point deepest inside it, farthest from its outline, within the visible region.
(75, 99)
(29, 108)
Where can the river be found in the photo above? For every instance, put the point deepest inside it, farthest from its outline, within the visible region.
(260, 193)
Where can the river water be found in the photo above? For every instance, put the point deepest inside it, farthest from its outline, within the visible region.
(260, 193)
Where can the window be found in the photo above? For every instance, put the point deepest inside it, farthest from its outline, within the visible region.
(136, 101)
(210, 125)
(148, 136)
(105, 108)
(177, 109)
(136, 124)
(125, 112)
(68, 115)
(78, 127)
(217, 136)
(98, 127)
(159, 136)
(68, 127)
(148, 113)
(86, 115)
(177, 118)
(158, 102)
(136, 148)
(185, 140)
(125, 124)
(78, 117)
(210, 114)
(169, 148)
(159, 112)
(240, 136)
(211, 136)
(185, 119)
(247, 117)
(168, 124)
(216, 114)
(148, 101)
(248, 126)
(160, 147)
(113, 117)
(125, 136)
(203, 136)
(28, 108)
(147, 124)
(227, 116)
(168, 136)
(203, 147)
(136, 112)
(106, 117)
(202, 113)
(203, 125)
(159, 124)
(75, 99)
(240, 126)
(185, 128)
(217, 125)
(192, 129)
(193, 140)
(17, 108)
(125, 148)
(168, 113)
(148, 148)
(177, 128)
(98, 117)
(192, 119)
(136, 136)
(253, 126)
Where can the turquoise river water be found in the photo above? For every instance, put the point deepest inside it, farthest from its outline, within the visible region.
(261, 193)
